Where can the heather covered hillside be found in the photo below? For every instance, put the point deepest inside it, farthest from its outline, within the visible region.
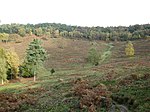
(74, 56)
(79, 76)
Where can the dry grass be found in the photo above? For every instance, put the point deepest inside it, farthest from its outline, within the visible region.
(63, 53)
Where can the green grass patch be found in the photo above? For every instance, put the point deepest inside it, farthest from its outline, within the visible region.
(12, 88)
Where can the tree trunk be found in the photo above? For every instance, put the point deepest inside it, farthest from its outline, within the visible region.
(2, 82)
(34, 78)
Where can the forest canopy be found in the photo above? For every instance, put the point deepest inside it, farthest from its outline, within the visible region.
(54, 30)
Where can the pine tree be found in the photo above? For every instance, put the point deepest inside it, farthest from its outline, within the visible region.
(129, 50)
(35, 56)
(3, 68)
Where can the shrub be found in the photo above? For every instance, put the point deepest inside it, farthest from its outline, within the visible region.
(92, 97)
(26, 70)
(4, 37)
(93, 56)
(129, 50)
(52, 71)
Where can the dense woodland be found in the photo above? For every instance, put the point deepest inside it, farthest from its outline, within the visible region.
(120, 33)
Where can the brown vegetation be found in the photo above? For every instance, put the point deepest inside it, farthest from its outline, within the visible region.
(92, 97)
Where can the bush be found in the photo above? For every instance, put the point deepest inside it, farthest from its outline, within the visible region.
(52, 71)
(4, 37)
(93, 56)
(92, 97)
(26, 71)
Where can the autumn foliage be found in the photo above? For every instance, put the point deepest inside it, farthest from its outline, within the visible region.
(12, 60)
(3, 69)
(129, 50)
(9, 61)
(11, 102)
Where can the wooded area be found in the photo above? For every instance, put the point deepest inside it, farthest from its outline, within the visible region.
(120, 33)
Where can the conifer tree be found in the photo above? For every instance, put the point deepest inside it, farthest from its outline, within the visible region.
(35, 56)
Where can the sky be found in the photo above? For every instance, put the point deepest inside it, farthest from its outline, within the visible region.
(76, 12)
